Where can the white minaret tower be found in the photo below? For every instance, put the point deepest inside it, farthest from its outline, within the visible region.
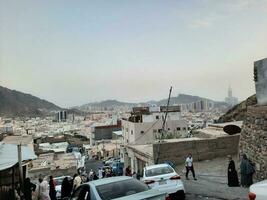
(230, 92)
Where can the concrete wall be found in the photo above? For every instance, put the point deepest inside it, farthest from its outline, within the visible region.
(55, 173)
(202, 149)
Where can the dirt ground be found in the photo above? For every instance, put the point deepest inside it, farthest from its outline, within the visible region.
(212, 181)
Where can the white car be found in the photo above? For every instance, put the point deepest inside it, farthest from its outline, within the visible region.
(258, 191)
(164, 178)
(119, 187)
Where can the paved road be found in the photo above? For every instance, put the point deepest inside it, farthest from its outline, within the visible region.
(213, 188)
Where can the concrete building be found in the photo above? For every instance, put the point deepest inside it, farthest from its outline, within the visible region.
(103, 132)
(144, 126)
(214, 143)
(198, 106)
(61, 116)
(230, 100)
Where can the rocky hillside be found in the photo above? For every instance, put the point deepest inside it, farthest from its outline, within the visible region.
(238, 112)
(15, 103)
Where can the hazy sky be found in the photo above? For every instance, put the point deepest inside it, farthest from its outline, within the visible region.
(74, 52)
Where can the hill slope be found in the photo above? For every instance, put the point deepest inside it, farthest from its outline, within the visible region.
(15, 103)
(238, 112)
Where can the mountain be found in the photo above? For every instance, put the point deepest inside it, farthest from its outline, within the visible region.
(238, 112)
(15, 103)
(180, 99)
(106, 104)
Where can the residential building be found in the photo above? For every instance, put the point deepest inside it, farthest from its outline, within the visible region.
(144, 126)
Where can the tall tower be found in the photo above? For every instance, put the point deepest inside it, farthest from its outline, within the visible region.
(230, 92)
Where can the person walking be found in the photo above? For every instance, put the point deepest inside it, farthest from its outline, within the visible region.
(52, 188)
(232, 173)
(189, 166)
(43, 189)
(65, 188)
(29, 188)
(100, 173)
(247, 170)
(128, 171)
(76, 182)
(91, 175)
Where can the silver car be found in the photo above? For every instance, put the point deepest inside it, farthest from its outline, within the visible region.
(120, 188)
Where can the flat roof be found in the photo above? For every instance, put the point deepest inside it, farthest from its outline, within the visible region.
(143, 148)
(24, 140)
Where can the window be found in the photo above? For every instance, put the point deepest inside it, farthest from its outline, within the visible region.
(131, 132)
(120, 189)
(142, 132)
(169, 129)
(157, 117)
(127, 129)
(178, 128)
(159, 130)
(184, 128)
(159, 171)
(154, 130)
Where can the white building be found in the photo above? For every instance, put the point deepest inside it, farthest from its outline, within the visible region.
(144, 126)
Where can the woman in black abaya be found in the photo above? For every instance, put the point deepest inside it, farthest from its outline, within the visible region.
(232, 173)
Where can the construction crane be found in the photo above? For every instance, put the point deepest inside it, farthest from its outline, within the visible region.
(163, 125)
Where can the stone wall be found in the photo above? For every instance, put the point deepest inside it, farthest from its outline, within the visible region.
(253, 139)
(201, 149)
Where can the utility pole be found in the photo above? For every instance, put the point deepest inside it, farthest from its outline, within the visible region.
(20, 166)
(163, 125)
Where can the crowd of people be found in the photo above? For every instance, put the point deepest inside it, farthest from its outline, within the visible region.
(46, 188)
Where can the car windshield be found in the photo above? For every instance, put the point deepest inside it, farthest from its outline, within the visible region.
(120, 189)
(159, 171)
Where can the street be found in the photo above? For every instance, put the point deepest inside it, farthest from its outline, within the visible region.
(210, 184)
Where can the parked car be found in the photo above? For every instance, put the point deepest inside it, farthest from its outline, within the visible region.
(117, 168)
(164, 178)
(111, 160)
(257, 191)
(119, 187)
(58, 182)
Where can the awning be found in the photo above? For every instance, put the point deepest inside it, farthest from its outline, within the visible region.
(9, 155)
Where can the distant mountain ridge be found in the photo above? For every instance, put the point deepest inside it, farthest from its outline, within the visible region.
(15, 103)
(180, 99)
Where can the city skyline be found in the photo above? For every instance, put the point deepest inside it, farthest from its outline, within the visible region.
(75, 53)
